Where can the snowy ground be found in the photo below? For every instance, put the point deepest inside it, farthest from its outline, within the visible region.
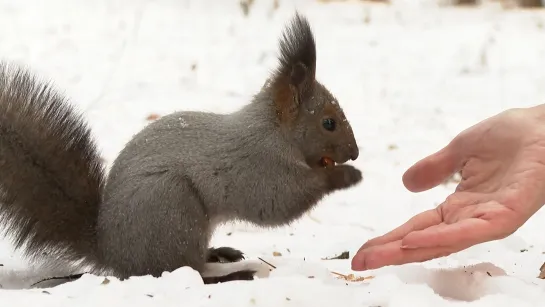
(410, 76)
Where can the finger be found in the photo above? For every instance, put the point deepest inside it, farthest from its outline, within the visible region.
(464, 233)
(418, 222)
(392, 254)
(433, 170)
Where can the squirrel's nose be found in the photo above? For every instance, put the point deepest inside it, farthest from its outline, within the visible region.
(354, 151)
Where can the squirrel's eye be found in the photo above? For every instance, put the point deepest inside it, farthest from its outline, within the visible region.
(329, 124)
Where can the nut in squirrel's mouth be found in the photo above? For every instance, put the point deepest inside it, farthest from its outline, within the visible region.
(327, 162)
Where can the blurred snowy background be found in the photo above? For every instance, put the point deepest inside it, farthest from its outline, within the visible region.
(410, 75)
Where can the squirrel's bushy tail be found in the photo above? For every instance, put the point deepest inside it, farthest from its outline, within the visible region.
(51, 176)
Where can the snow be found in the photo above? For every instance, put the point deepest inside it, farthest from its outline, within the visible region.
(409, 76)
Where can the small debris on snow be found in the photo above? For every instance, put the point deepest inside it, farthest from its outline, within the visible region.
(343, 255)
(153, 116)
(353, 278)
(542, 271)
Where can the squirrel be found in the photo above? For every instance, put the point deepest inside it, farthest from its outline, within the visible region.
(178, 178)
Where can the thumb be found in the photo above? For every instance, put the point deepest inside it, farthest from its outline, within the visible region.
(433, 170)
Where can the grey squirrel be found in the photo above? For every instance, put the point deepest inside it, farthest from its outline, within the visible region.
(177, 179)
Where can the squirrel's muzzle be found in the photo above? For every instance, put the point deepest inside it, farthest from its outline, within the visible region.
(347, 152)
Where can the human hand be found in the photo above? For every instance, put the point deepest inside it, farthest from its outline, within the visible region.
(502, 163)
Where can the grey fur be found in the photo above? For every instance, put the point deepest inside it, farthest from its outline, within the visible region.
(184, 174)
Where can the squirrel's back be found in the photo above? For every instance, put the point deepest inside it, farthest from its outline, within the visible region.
(213, 150)
(51, 176)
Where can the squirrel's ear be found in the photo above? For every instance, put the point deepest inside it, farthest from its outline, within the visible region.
(294, 78)
(300, 78)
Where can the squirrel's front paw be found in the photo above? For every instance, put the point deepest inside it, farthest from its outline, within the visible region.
(344, 176)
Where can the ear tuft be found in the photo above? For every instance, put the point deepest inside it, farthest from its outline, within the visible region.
(295, 75)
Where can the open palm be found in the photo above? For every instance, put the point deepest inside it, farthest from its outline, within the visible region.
(502, 163)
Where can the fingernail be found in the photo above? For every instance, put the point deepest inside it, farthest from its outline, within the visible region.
(407, 247)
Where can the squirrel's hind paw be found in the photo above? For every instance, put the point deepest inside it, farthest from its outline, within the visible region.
(221, 272)
(224, 255)
(240, 275)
